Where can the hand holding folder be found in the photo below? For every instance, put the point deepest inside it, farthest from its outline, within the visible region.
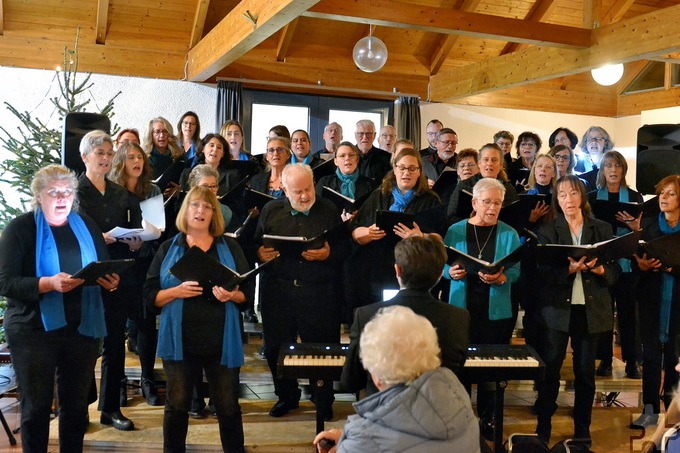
(605, 251)
(97, 269)
(473, 265)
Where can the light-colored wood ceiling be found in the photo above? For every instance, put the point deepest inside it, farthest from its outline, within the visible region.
(532, 54)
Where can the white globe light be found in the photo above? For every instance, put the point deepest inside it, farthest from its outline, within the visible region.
(370, 54)
(608, 74)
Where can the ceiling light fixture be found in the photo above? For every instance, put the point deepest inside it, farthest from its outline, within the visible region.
(608, 75)
(370, 53)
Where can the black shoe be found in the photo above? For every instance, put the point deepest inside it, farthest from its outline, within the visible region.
(582, 437)
(633, 370)
(604, 369)
(213, 411)
(544, 430)
(487, 429)
(118, 420)
(150, 392)
(123, 393)
(282, 407)
(646, 419)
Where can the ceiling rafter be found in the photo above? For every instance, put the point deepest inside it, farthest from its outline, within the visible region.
(540, 11)
(235, 35)
(102, 19)
(286, 39)
(2, 19)
(446, 42)
(448, 21)
(632, 70)
(199, 22)
(643, 37)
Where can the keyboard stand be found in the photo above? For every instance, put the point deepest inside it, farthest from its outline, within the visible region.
(498, 407)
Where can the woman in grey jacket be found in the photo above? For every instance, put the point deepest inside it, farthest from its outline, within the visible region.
(420, 407)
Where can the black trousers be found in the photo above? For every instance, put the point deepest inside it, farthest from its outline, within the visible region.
(623, 294)
(113, 352)
(553, 352)
(36, 355)
(291, 308)
(658, 357)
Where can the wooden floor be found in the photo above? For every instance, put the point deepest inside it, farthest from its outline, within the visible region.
(609, 429)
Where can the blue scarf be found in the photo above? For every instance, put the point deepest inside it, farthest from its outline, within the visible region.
(52, 313)
(624, 197)
(349, 183)
(667, 282)
(170, 330)
(243, 156)
(306, 160)
(401, 201)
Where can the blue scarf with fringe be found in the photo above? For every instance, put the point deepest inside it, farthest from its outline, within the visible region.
(170, 329)
(401, 200)
(349, 182)
(92, 323)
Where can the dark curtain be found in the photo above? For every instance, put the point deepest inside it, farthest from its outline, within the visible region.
(229, 103)
(409, 119)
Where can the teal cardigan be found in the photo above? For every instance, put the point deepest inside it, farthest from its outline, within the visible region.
(507, 240)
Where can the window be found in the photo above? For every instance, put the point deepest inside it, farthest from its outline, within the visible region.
(265, 116)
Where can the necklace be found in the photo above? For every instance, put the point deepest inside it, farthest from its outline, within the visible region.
(474, 227)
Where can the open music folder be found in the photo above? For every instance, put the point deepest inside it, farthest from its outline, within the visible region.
(605, 252)
(473, 264)
(344, 202)
(606, 211)
(665, 249)
(255, 199)
(295, 245)
(517, 214)
(171, 174)
(96, 269)
(197, 265)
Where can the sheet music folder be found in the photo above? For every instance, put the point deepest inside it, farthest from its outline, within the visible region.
(665, 248)
(255, 199)
(473, 264)
(295, 245)
(344, 202)
(606, 210)
(517, 214)
(96, 269)
(387, 220)
(605, 251)
(197, 265)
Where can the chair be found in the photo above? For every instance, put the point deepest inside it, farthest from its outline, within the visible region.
(7, 390)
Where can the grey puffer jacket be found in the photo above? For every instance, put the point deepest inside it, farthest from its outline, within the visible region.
(433, 414)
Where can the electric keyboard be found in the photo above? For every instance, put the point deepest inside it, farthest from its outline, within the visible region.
(311, 360)
(500, 362)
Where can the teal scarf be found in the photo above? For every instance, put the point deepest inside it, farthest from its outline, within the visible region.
(349, 183)
(401, 200)
(52, 313)
(667, 283)
(170, 329)
(295, 160)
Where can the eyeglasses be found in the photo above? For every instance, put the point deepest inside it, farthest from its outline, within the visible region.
(364, 134)
(198, 205)
(488, 203)
(464, 166)
(54, 193)
(345, 156)
(210, 186)
(188, 123)
(404, 169)
(331, 129)
(612, 165)
(276, 150)
(431, 134)
(596, 139)
(448, 142)
(561, 157)
(161, 132)
(527, 145)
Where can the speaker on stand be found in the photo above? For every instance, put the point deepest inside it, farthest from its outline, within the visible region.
(658, 155)
(76, 125)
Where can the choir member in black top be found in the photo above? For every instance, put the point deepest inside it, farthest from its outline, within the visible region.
(374, 162)
(109, 205)
(277, 157)
(528, 146)
(297, 294)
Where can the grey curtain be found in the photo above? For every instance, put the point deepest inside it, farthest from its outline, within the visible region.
(408, 119)
(229, 103)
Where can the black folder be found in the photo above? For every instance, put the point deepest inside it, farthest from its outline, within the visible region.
(235, 192)
(447, 179)
(387, 220)
(605, 251)
(665, 248)
(295, 245)
(197, 265)
(606, 211)
(343, 202)
(236, 234)
(473, 265)
(650, 208)
(325, 168)
(171, 174)
(255, 199)
(245, 168)
(96, 269)
(590, 177)
(517, 213)
(464, 208)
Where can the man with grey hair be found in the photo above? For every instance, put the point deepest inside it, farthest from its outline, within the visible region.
(332, 136)
(374, 162)
(297, 291)
(387, 137)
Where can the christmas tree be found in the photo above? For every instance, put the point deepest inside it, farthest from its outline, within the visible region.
(37, 143)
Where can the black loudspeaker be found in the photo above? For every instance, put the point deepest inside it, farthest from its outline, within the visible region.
(658, 155)
(76, 125)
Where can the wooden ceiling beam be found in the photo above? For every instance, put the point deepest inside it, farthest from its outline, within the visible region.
(447, 21)
(199, 22)
(235, 35)
(102, 19)
(446, 42)
(616, 12)
(541, 10)
(2, 19)
(286, 38)
(630, 73)
(643, 37)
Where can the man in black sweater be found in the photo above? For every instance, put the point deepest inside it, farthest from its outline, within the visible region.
(419, 264)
